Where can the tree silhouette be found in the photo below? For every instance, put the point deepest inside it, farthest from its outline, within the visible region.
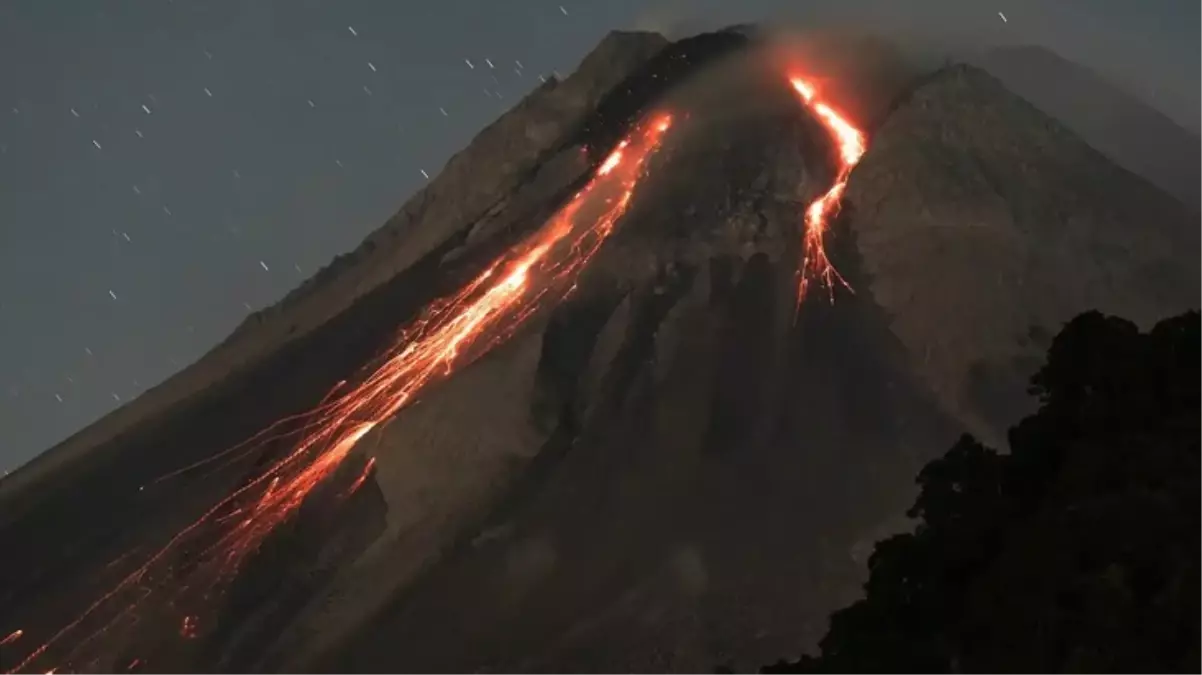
(1079, 550)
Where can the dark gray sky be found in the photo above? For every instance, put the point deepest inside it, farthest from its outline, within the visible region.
(167, 166)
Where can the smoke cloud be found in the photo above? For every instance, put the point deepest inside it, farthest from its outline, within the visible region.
(1131, 44)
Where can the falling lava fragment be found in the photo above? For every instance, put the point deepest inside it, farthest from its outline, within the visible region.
(450, 333)
(815, 265)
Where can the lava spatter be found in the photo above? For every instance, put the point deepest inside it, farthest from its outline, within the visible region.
(815, 265)
(449, 334)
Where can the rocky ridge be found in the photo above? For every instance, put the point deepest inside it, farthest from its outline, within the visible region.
(1129, 131)
(973, 204)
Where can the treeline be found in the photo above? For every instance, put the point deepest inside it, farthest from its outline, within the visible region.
(1077, 551)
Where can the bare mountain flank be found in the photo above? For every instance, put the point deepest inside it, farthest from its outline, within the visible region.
(985, 225)
(1131, 132)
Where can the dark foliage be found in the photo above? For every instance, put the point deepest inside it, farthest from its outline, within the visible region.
(1078, 551)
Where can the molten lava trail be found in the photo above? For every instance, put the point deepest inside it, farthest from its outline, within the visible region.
(815, 265)
(185, 571)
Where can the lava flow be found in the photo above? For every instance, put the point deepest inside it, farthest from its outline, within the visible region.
(450, 333)
(815, 265)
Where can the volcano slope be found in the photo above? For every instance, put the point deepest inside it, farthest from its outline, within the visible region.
(82, 515)
(985, 226)
(705, 453)
(1134, 134)
(710, 456)
(676, 466)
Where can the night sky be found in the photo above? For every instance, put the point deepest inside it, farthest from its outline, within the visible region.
(167, 167)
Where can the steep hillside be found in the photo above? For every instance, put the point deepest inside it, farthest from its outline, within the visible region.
(717, 471)
(984, 225)
(678, 407)
(1129, 131)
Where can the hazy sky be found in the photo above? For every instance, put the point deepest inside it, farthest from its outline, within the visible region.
(168, 166)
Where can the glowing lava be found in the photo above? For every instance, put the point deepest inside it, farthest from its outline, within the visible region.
(815, 265)
(450, 333)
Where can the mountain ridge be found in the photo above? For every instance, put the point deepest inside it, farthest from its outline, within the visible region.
(998, 159)
(1128, 130)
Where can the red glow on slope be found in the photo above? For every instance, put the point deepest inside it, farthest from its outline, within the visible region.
(815, 265)
(363, 476)
(450, 333)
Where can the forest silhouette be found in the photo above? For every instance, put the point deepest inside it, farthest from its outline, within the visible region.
(1078, 550)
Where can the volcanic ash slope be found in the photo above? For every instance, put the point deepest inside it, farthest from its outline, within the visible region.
(713, 469)
(709, 461)
(984, 225)
(1128, 130)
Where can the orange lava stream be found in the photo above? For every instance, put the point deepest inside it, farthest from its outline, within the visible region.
(450, 333)
(815, 265)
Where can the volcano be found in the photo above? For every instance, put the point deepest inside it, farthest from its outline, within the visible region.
(645, 454)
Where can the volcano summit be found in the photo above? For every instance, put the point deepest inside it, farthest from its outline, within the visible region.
(630, 386)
